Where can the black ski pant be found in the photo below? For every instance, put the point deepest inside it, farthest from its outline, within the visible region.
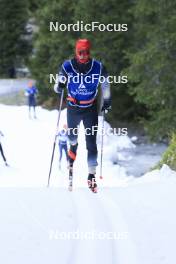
(2, 153)
(89, 116)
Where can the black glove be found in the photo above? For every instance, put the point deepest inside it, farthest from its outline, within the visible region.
(58, 88)
(106, 105)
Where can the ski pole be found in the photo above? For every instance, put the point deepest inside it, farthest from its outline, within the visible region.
(55, 138)
(102, 143)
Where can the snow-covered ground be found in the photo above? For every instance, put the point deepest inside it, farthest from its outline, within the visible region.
(130, 220)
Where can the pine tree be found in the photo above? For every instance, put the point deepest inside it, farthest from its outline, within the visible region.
(153, 65)
(51, 47)
(14, 45)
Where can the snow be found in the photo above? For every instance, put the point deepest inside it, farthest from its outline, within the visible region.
(134, 138)
(130, 220)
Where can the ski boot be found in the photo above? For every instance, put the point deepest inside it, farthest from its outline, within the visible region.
(92, 183)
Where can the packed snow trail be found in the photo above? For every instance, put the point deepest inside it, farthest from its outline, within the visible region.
(51, 225)
(33, 220)
(41, 225)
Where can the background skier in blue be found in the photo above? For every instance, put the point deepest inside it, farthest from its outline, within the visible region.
(62, 142)
(31, 92)
(82, 101)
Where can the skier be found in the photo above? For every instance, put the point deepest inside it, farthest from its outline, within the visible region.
(62, 142)
(82, 102)
(31, 92)
(1, 150)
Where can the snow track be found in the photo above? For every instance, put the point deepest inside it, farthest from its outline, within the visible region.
(124, 246)
(92, 221)
(45, 225)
